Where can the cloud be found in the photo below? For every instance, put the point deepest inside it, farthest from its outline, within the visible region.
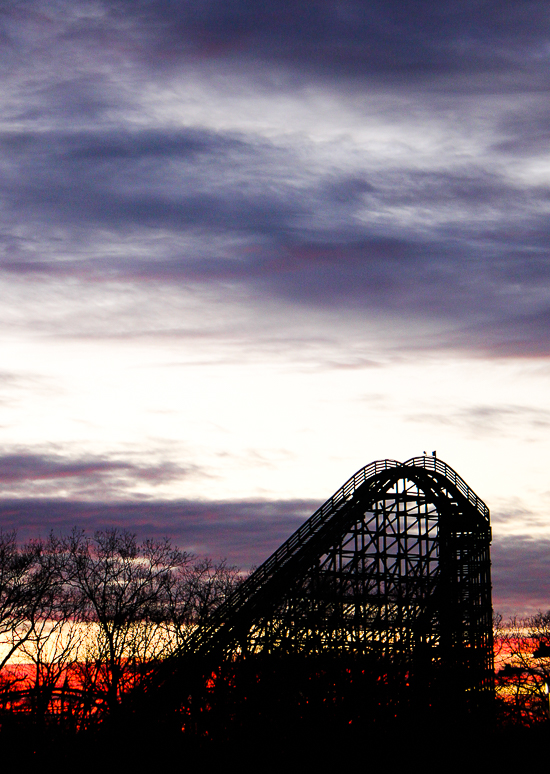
(25, 467)
(490, 419)
(520, 575)
(524, 335)
(25, 473)
(190, 182)
(245, 532)
(152, 179)
(392, 40)
(405, 212)
(527, 133)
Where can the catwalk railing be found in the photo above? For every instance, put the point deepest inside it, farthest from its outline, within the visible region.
(438, 466)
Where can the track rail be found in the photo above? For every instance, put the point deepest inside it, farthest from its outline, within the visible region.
(440, 467)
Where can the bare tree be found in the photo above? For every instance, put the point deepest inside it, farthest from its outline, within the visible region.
(198, 587)
(122, 589)
(93, 616)
(27, 579)
(55, 636)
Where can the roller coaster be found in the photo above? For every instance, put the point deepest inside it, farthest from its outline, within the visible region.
(394, 567)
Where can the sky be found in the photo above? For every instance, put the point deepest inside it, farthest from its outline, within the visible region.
(247, 247)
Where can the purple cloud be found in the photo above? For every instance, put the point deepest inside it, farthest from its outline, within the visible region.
(125, 180)
(393, 40)
(319, 236)
(26, 473)
(245, 532)
(521, 575)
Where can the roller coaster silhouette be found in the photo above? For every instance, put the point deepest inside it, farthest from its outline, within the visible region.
(393, 571)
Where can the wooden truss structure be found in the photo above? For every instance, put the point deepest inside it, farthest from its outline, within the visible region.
(393, 568)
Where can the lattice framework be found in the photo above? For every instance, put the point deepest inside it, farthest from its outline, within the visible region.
(395, 566)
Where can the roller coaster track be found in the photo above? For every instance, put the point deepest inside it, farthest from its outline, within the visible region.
(274, 575)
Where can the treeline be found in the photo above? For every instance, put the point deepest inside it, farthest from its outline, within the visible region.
(522, 669)
(93, 633)
(84, 621)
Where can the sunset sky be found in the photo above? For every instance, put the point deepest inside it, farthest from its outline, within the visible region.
(249, 246)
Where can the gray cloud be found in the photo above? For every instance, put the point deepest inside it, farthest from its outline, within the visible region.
(24, 473)
(245, 532)
(121, 179)
(481, 280)
(393, 40)
(491, 420)
(527, 133)
(463, 245)
(521, 575)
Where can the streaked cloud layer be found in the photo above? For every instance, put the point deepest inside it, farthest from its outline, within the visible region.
(246, 248)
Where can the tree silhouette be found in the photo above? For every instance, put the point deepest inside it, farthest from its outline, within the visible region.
(121, 590)
(28, 577)
(523, 651)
